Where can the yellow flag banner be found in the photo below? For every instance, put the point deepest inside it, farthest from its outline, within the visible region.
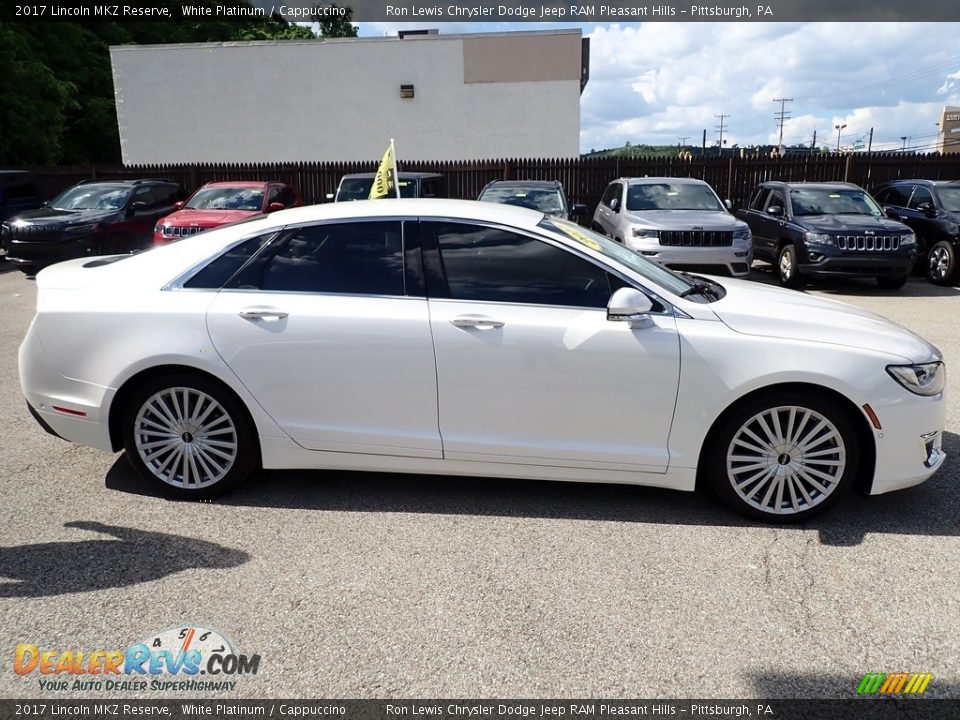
(385, 181)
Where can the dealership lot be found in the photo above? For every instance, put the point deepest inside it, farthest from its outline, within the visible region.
(356, 585)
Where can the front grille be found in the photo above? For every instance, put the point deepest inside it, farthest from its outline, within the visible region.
(35, 233)
(696, 238)
(868, 243)
(172, 231)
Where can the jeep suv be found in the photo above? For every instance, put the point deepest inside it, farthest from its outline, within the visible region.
(827, 230)
(931, 208)
(96, 217)
(677, 222)
(547, 196)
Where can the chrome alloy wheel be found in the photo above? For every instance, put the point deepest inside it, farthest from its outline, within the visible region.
(786, 265)
(185, 437)
(938, 263)
(786, 460)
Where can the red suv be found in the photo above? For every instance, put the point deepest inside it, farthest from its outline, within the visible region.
(219, 203)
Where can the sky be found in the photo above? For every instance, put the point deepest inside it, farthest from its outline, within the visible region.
(654, 83)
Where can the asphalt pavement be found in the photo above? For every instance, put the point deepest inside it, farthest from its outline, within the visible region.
(357, 585)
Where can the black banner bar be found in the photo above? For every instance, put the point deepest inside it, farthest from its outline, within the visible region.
(873, 708)
(485, 11)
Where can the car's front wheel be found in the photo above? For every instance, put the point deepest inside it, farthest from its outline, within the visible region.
(787, 272)
(942, 264)
(784, 457)
(189, 435)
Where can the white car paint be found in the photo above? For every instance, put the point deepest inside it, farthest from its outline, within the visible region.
(389, 383)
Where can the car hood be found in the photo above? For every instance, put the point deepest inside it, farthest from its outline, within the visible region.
(50, 216)
(205, 218)
(853, 224)
(755, 309)
(685, 219)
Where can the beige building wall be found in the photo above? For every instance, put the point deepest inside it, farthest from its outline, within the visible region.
(950, 130)
(475, 96)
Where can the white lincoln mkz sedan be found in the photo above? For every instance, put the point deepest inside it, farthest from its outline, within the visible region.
(465, 338)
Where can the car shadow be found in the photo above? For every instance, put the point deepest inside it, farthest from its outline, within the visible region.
(932, 508)
(132, 557)
(917, 286)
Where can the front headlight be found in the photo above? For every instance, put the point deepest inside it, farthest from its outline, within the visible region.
(742, 235)
(910, 239)
(818, 238)
(645, 233)
(922, 378)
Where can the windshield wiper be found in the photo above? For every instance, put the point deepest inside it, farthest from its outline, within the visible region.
(700, 289)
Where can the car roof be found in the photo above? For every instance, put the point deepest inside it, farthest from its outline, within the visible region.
(403, 175)
(242, 183)
(406, 207)
(921, 181)
(811, 185)
(659, 180)
(524, 183)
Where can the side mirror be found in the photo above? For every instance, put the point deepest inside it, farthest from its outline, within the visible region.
(891, 213)
(274, 206)
(630, 306)
(775, 210)
(615, 205)
(728, 204)
(578, 209)
(178, 205)
(927, 209)
(329, 197)
(135, 208)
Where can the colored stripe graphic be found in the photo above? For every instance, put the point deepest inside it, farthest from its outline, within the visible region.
(894, 683)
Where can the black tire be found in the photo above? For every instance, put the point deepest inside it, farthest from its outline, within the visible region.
(725, 470)
(892, 283)
(28, 270)
(941, 264)
(227, 422)
(788, 275)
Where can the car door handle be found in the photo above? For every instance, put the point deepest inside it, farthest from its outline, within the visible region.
(480, 323)
(262, 314)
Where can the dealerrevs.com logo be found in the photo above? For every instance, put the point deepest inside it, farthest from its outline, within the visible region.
(894, 683)
(183, 658)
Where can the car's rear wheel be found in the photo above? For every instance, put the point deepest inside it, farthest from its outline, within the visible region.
(787, 273)
(784, 457)
(28, 270)
(942, 264)
(189, 435)
(892, 283)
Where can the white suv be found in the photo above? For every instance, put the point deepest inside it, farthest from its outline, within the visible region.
(677, 222)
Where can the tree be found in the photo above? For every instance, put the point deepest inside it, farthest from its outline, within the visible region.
(338, 26)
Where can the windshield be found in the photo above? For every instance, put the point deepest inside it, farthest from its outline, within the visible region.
(226, 198)
(949, 197)
(833, 201)
(548, 201)
(91, 197)
(359, 189)
(666, 279)
(672, 196)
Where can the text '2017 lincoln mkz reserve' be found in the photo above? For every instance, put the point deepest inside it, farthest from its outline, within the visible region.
(465, 338)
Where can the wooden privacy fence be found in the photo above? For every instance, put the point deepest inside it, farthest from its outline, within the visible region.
(732, 177)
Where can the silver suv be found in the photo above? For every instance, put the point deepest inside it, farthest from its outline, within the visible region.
(677, 222)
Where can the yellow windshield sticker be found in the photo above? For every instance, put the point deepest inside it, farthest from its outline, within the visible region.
(573, 230)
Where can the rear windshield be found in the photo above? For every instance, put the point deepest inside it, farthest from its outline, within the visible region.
(359, 189)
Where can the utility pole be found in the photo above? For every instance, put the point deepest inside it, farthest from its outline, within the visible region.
(839, 128)
(721, 117)
(781, 118)
(870, 142)
(813, 143)
(683, 141)
(904, 148)
(704, 143)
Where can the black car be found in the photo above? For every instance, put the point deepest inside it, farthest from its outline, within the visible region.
(827, 230)
(932, 210)
(547, 196)
(356, 186)
(96, 217)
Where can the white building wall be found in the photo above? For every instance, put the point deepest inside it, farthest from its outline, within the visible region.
(333, 100)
